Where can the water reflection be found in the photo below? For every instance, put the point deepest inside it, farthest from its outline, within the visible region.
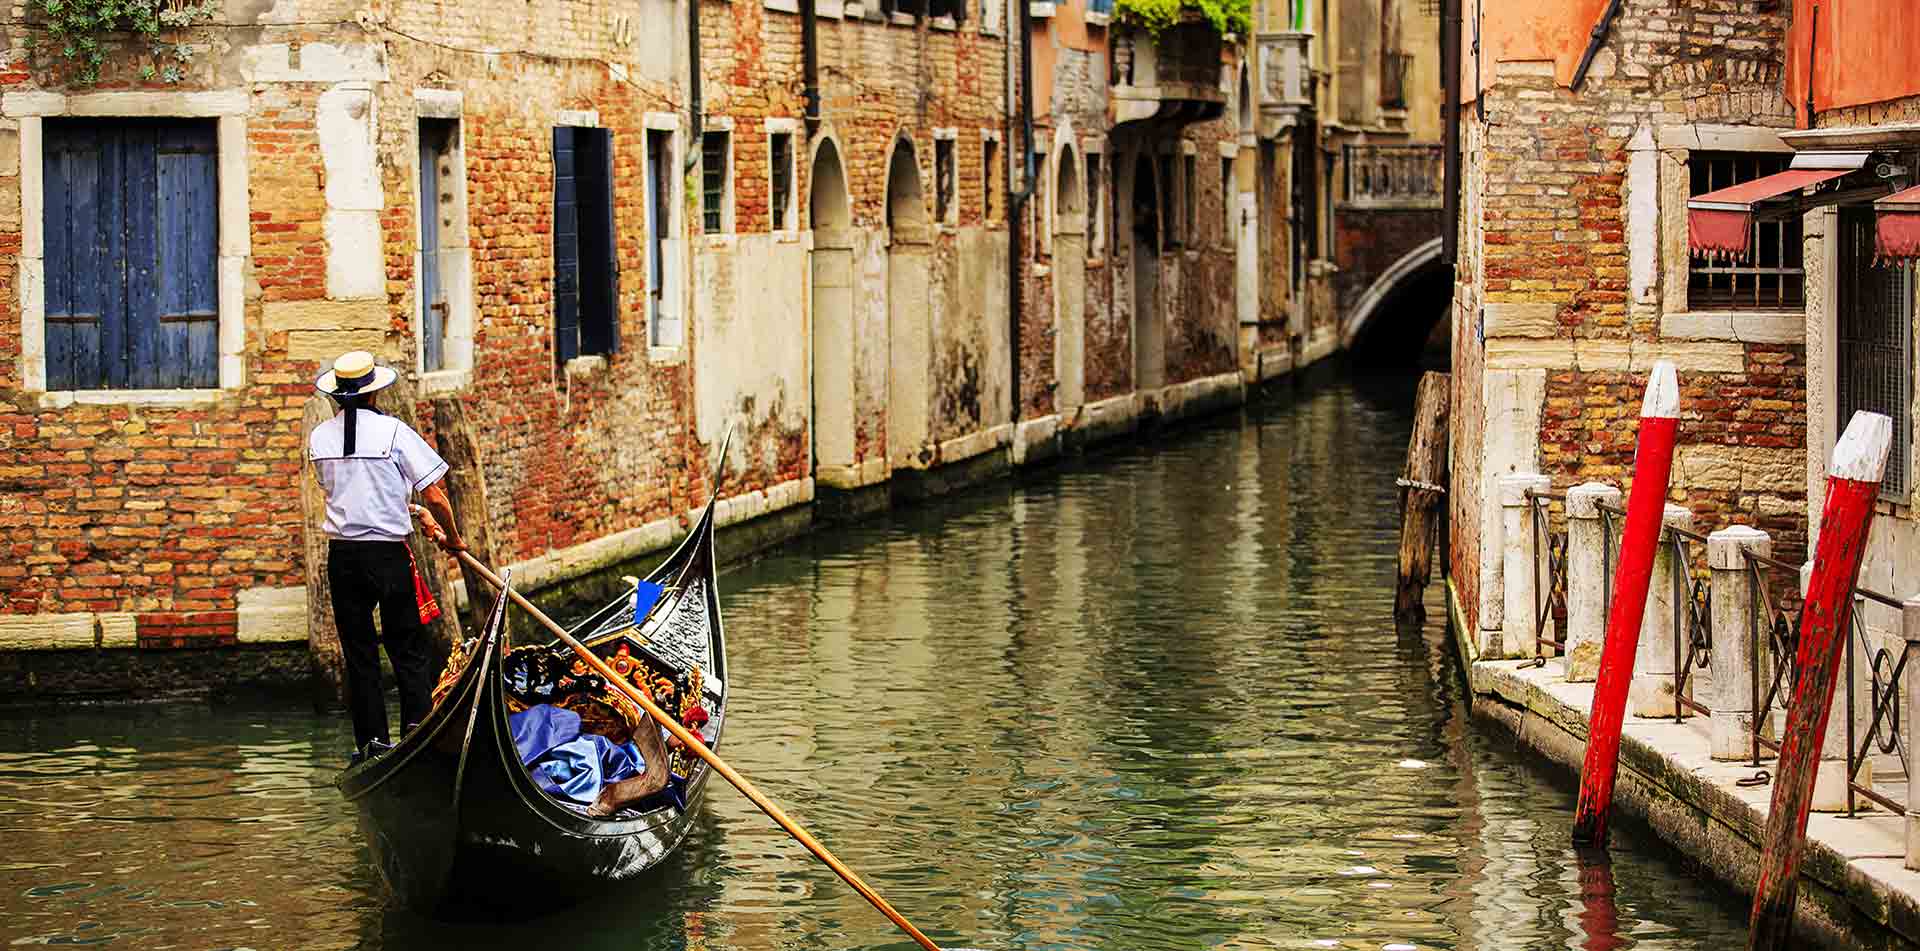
(1154, 700)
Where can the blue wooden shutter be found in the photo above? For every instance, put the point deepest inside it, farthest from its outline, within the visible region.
(566, 248)
(132, 251)
(599, 283)
(184, 321)
(82, 228)
(433, 306)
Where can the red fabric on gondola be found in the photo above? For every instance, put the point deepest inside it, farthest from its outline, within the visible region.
(1896, 228)
(1726, 230)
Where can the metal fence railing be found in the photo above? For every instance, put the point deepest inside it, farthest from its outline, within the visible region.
(1871, 703)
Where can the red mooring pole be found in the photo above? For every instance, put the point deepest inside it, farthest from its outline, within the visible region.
(1646, 502)
(1853, 482)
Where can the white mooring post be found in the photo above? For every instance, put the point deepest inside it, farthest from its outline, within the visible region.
(1521, 563)
(1587, 577)
(1910, 713)
(1734, 654)
(1653, 665)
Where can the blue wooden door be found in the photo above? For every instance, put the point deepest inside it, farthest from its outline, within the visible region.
(433, 301)
(566, 248)
(132, 246)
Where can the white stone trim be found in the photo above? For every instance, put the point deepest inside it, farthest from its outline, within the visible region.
(1229, 149)
(673, 298)
(716, 123)
(784, 6)
(950, 133)
(1714, 137)
(1040, 9)
(1744, 326)
(141, 104)
(943, 22)
(579, 118)
(791, 129)
(456, 275)
(228, 109)
(272, 616)
(439, 103)
(76, 630)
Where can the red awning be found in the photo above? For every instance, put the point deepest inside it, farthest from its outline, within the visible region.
(1896, 228)
(1721, 222)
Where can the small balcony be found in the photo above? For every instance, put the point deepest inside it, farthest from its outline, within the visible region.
(1173, 77)
(1393, 176)
(1286, 79)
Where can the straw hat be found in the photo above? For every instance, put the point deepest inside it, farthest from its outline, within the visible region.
(355, 373)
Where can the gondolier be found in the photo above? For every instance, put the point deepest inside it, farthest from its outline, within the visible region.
(370, 464)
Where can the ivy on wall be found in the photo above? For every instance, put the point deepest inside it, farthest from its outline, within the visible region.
(76, 28)
(1226, 16)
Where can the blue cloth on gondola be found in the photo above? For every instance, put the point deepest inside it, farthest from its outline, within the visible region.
(566, 762)
(645, 594)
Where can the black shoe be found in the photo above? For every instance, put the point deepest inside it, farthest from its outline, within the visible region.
(373, 749)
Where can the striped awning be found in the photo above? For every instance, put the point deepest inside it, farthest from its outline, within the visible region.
(1721, 222)
(1896, 227)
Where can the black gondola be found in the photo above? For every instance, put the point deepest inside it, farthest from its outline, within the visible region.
(455, 823)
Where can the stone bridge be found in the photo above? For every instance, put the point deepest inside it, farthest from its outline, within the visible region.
(1391, 288)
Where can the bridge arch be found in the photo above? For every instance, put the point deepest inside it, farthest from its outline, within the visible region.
(1399, 310)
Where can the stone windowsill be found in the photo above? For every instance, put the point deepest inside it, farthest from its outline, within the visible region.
(444, 381)
(675, 354)
(902, 19)
(592, 364)
(943, 23)
(61, 399)
(1095, 18)
(784, 6)
(1745, 326)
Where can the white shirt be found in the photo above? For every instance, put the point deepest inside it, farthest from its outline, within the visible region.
(367, 492)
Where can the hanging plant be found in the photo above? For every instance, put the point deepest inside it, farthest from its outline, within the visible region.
(1155, 16)
(76, 27)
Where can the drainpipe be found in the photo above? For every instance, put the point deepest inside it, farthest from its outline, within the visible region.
(1017, 199)
(1813, 55)
(810, 67)
(1594, 43)
(695, 106)
(1450, 109)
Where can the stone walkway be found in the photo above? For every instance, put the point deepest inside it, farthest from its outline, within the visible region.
(1855, 892)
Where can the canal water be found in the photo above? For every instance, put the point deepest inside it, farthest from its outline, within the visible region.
(1153, 700)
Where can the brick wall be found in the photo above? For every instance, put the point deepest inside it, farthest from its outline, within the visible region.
(1545, 263)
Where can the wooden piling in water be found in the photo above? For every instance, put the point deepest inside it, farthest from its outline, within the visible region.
(1853, 482)
(1646, 505)
(467, 490)
(1421, 505)
(444, 631)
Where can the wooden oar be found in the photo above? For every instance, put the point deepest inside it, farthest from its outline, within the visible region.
(693, 743)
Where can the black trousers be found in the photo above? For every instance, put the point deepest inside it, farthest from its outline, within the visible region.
(361, 576)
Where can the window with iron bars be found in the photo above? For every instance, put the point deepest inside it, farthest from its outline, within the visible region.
(1772, 276)
(714, 147)
(1873, 368)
